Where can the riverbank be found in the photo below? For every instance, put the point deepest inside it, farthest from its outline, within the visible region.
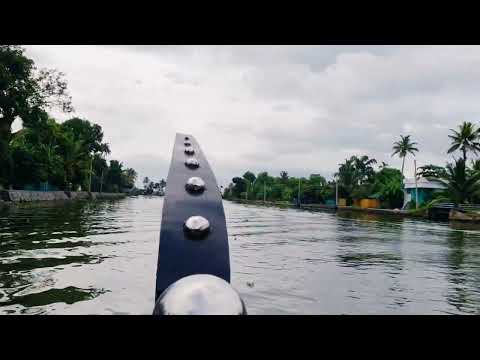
(421, 213)
(23, 196)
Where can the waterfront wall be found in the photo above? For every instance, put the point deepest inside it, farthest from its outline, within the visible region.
(456, 215)
(7, 196)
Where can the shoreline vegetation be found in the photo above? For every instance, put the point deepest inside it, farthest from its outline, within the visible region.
(46, 155)
(284, 204)
(361, 184)
(454, 216)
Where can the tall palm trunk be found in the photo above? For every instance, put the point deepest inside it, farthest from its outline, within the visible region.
(403, 164)
(464, 155)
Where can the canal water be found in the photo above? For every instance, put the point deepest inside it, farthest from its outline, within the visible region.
(100, 258)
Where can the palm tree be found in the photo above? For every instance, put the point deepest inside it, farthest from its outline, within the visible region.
(146, 181)
(364, 167)
(403, 147)
(284, 176)
(74, 159)
(348, 176)
(163, 183)
(461, 184)
(465, 139)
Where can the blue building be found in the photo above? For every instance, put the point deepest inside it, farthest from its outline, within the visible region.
(426, 189)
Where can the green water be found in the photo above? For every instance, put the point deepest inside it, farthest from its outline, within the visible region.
(100, 258)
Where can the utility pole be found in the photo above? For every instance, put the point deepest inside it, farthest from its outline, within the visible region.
(416, 186)
(264, 193)
(246, 192)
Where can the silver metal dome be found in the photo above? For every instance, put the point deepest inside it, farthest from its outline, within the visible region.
(200, 294)
(195, 185)
(197, 226)
(192, 163)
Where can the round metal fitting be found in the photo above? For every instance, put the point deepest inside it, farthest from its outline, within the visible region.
(196, 227)
(195, 185)
(200, 294)
(192, 163)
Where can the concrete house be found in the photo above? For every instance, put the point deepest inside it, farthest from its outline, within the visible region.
(426, 189)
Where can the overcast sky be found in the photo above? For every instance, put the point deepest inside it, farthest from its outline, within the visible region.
(303, 109)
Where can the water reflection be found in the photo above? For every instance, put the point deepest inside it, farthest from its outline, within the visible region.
(68, 295)
(463, 279)
(40, 243)
(100, 258)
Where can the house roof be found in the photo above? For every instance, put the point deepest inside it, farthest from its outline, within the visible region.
(424, 183)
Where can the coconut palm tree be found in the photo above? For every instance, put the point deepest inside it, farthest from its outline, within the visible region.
(466, 139)
(403, 147)
(461, 184)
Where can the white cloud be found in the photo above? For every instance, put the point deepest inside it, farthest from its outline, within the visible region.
(302, 109)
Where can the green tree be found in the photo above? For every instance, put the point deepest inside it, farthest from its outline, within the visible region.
(239, 187)
(348, 177)
(250, 181)
(39, 143)
(403, 147)
(461, 184)
(115, 176)
(250, 177)
(129, 177)
(163, 184)
(75, 161)
(388, 187)
(99, 173)
(364, 168)
(25, 92)
(465, 139)
(146, 181)
(89, 134)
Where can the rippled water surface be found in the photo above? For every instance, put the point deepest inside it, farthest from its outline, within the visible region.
(100, 258)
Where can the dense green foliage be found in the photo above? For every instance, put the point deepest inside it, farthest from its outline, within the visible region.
(281, 188)
(357, 178)
(64, 156)
(462, 185)
(45, 154)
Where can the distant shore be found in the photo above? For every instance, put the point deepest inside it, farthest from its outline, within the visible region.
(401, 213)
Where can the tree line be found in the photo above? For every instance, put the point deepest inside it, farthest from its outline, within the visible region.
(363, 177)
(46, 154)
(150, 186)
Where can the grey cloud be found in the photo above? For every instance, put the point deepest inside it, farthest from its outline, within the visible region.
(297, 108)
(180, 78)
(282, 108)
